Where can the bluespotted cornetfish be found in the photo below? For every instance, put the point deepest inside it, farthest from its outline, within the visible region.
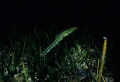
(58, 39)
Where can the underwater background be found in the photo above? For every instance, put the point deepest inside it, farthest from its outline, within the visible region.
(41, 22)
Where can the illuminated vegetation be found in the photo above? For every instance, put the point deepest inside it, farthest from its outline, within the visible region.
(74, 59)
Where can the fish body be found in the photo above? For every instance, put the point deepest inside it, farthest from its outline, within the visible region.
(58, 39)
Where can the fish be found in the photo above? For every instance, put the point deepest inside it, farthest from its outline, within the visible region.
(58, 38)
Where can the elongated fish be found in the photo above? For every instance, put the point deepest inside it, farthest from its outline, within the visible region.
(58, 39)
